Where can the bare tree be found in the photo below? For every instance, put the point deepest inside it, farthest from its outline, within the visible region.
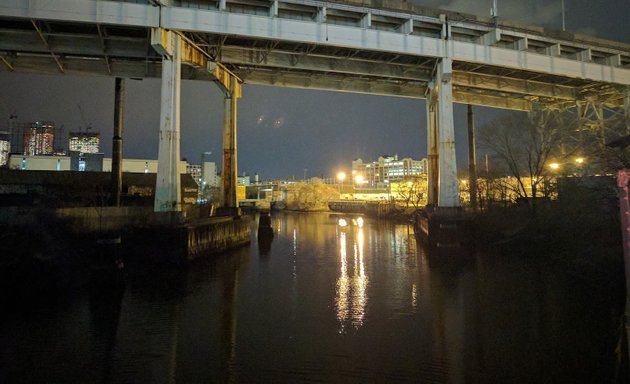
(313, 196)
(413, 191)
(524, 145)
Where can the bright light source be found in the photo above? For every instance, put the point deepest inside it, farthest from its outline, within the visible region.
(554, 166)
(341, 176)
(358, 179)
(360, 222)
(579, 160)
(343, 222)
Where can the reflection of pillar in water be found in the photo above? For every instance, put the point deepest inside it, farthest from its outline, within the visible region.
(228, 325)
(105, 308)
(453, 296)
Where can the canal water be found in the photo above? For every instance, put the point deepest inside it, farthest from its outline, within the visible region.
(332, 298)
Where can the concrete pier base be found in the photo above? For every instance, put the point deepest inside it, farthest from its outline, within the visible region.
(171, 237)
(444, 228)
(215, 235)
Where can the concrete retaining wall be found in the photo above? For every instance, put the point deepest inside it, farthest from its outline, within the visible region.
(115, 219)
(216, 236)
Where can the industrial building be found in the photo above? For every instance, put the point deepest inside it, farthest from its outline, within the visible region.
(84, 142)
(85, 162)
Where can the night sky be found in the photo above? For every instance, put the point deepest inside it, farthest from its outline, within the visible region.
(281, 131)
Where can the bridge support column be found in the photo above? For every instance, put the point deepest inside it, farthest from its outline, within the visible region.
(167, 188)
(229, 170)
(440, 114)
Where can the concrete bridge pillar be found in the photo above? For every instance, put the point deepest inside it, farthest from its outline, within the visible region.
(441, 134)
(229, 170)
(167, 188)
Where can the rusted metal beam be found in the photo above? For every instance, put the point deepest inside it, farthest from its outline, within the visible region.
(45, 41)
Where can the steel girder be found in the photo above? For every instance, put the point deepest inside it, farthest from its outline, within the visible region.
(395, 51)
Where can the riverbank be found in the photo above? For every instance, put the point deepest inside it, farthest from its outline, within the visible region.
(56, 250)
(583, 235)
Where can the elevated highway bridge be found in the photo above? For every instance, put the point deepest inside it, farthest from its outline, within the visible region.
(383, 47)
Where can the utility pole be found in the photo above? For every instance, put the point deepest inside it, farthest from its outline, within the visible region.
(563, 20)
(494, 12)
(472, 158)
(119, 101)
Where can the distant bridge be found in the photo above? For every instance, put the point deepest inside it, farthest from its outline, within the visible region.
(383, 47)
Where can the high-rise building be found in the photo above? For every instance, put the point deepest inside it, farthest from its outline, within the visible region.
(209, 177)
(5, 148)
(38, 138)
(194, 170)
(84, 142)
(209, 174)
(385, 170)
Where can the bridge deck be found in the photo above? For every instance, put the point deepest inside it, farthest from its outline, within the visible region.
(389, 49)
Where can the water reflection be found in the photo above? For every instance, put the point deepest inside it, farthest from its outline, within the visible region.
(332, 303)
(351, 288)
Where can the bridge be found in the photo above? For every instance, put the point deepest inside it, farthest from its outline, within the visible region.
(382, 47)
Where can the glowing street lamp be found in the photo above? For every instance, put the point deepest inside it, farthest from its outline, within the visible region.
(341, 176)
(358, 179)
(554, 166)
(579, 161)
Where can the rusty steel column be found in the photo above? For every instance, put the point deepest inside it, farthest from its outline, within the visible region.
(119, 106)
(432, 152)
(229, 169)
(472, 158)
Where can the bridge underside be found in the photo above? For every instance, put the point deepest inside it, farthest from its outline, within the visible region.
(96, 49)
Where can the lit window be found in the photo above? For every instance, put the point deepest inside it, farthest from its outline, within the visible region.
(81, 165)
(24, 163)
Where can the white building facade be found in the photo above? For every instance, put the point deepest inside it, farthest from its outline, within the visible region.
(63, 163)
(386, 169)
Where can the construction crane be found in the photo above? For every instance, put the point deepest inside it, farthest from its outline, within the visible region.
(88, 126)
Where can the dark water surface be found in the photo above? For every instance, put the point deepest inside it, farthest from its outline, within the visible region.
(327, 303)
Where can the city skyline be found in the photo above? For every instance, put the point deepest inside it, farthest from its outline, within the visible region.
(281, 132)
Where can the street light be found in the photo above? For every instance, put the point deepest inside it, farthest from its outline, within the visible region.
(554, 166)
(341, 176)
(358, 179)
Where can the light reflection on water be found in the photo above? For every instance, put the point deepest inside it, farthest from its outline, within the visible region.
(351, 298)
(328, 303)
